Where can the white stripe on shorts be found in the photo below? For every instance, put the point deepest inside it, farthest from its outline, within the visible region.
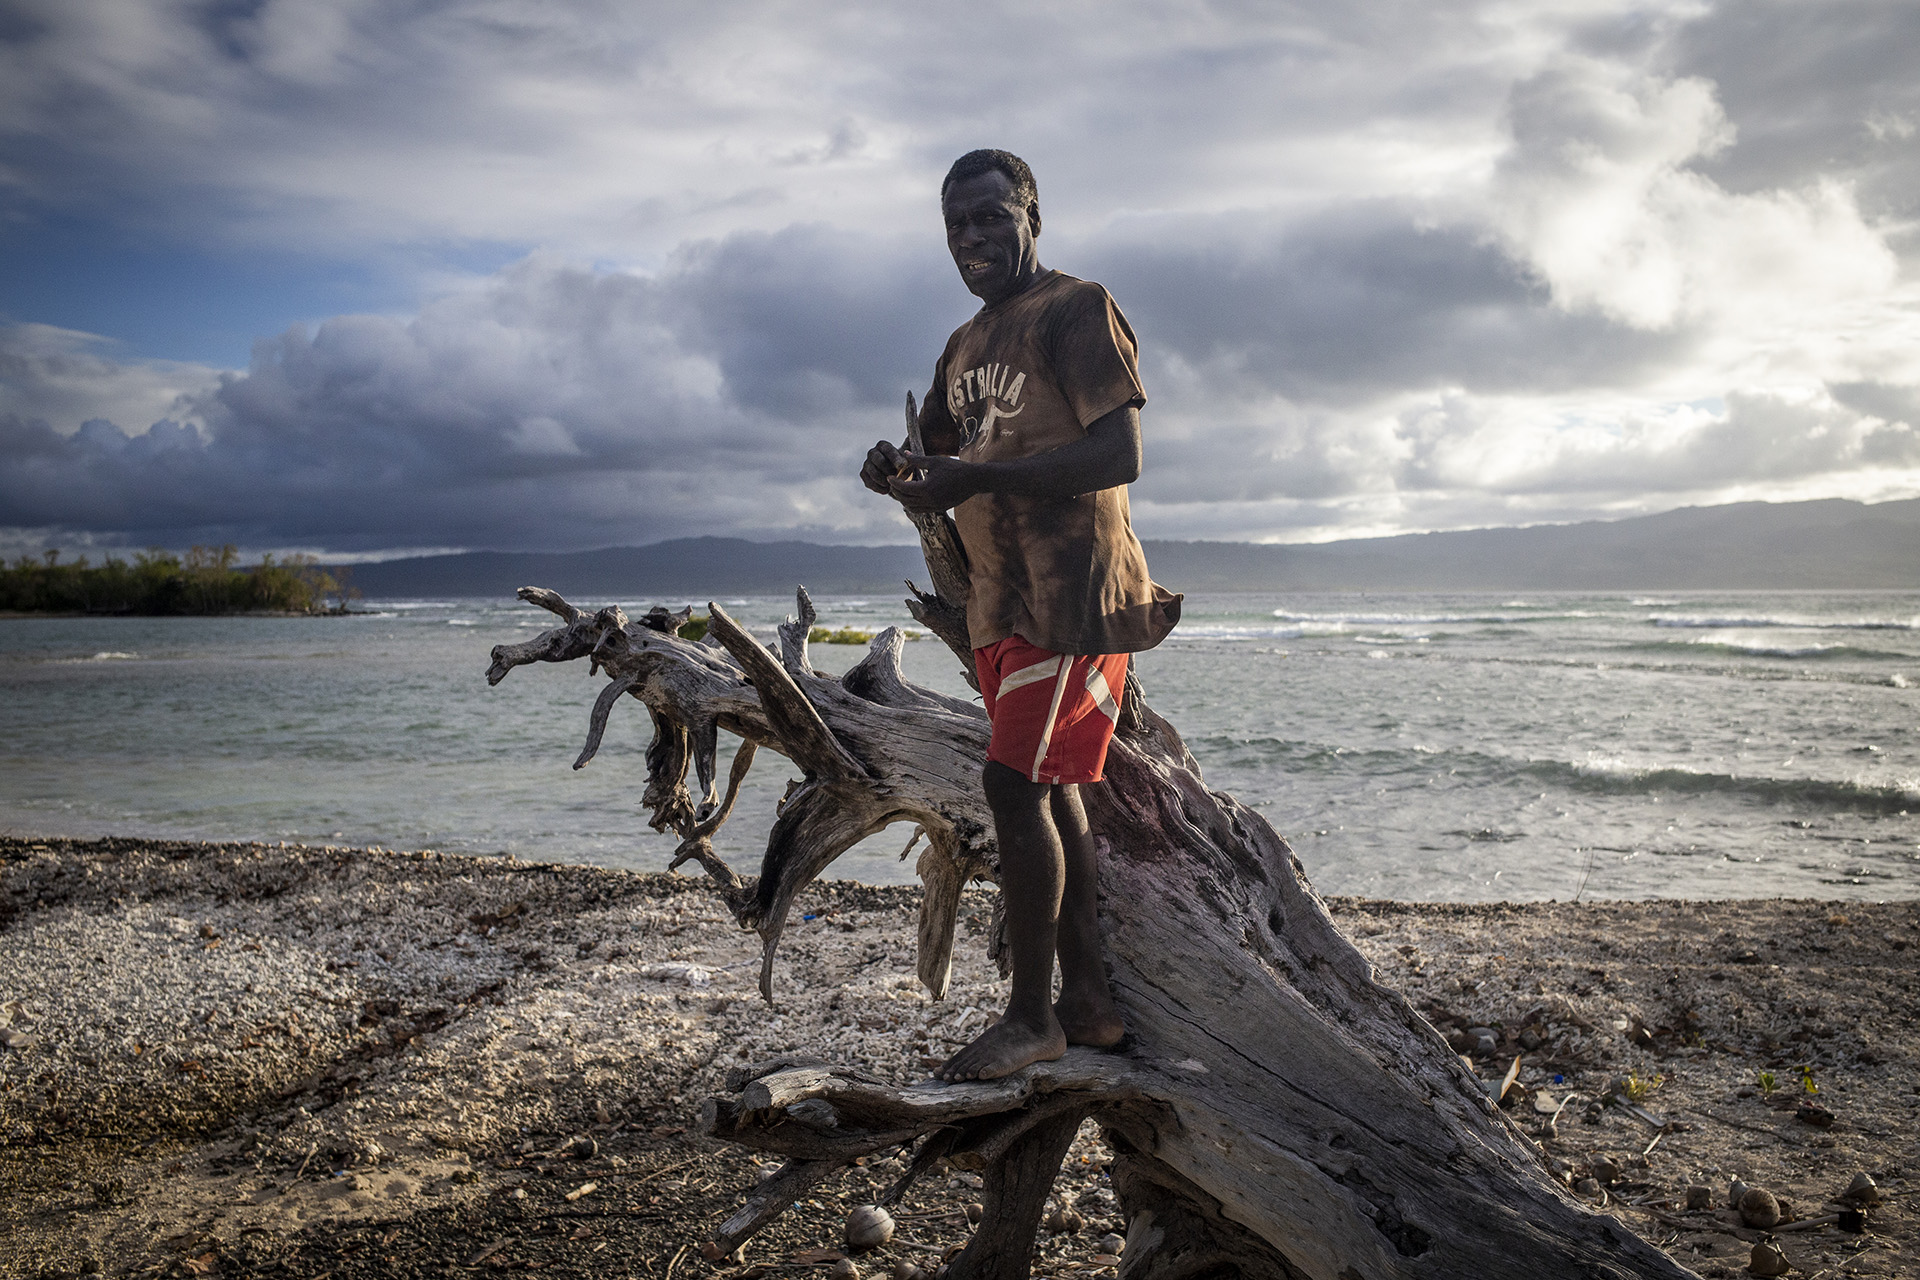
(1102, 694)
(1046, 730)
(1046, 669)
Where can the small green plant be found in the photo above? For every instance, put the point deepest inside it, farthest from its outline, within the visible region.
(1767, 1082)
(1806, 1081)
(1640, 1088)
(841, 635)
(694, 629)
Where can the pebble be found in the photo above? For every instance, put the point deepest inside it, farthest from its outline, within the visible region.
(975, 1212)
(1863, 1189)
(584, 1147)
(845, 1270)
(1112, 1243)
(868, 1227)
(1759, 1209)
(1768, 1260)
(1734, 1193)
(1588, 1189)
(1483, 1041)
(12, 1038)
(1064, 1221)
(1699, 1197)
(1604, 1170)
(906, 1270)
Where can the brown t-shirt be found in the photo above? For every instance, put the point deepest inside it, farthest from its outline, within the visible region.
(1022, 378)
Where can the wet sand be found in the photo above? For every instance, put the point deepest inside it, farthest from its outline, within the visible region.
(243, 1059)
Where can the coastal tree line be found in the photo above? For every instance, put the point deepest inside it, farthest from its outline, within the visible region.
(207, 580)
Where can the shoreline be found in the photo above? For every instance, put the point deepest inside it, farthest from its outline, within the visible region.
(7, 615)
(252, 1059)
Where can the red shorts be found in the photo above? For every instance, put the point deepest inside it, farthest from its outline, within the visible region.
(1053, 714)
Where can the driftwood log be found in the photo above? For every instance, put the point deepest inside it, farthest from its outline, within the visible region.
(1276, 1112)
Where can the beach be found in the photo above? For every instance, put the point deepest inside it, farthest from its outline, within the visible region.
(256, 1059)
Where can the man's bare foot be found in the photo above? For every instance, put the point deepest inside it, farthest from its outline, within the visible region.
(1098, 1028)
(1001, 1050)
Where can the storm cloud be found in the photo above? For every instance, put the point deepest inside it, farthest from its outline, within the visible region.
(1390, 269)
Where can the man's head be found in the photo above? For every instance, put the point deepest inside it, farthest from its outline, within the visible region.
(992, 211)
(975, 163)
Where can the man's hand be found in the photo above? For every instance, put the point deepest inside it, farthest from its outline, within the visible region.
(948, 483)
(882, 464)
(1109, 455)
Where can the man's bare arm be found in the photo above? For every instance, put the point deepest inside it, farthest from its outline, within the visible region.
(1107, 456)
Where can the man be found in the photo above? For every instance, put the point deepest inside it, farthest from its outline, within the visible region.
(1032, 432)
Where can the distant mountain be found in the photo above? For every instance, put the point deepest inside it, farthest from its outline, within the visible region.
(1747, 545)
(685, 568)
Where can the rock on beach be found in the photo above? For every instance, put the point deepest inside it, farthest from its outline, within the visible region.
(256, 1059)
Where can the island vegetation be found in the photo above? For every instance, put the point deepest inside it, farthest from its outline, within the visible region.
(207, 580)
(695, 628)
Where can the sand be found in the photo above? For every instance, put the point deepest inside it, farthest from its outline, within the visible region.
(242, 1059)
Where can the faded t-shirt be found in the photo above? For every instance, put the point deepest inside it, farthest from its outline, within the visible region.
(1022, 378)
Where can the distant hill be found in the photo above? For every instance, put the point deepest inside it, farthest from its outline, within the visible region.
(1747, 545)
(687, 567)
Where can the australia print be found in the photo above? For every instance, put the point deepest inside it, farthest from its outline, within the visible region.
(988, 382)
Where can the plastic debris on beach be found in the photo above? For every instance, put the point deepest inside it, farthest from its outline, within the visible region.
(689, 975)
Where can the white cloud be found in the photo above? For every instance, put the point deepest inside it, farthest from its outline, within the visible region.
(67, 377)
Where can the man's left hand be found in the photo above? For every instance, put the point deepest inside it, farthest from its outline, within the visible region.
(948, 482)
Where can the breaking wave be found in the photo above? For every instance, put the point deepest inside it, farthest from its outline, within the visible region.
(1835, 793)
(1797, 621)
(1429, 619)
(1761, 649)
(1603, 777)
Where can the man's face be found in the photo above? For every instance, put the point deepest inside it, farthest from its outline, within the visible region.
(990, 236)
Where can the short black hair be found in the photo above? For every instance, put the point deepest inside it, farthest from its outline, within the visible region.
(1026, 192)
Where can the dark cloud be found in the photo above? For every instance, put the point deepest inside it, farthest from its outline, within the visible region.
(1814, 91)
(1893, 404)
(1361, 302)
(809, 321)
(733, 391)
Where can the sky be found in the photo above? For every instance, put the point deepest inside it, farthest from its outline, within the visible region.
(360, 278)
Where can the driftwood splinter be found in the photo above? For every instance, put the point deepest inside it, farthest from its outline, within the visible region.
(1277, 1113)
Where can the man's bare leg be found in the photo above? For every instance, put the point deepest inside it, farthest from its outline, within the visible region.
(1032, 878)
(1085, 1009)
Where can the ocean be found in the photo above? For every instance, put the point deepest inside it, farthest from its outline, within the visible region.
(1413, 746)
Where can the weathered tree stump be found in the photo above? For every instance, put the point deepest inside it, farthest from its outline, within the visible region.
(1275, 1111)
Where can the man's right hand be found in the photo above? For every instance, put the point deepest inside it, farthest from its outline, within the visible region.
(882, 465)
